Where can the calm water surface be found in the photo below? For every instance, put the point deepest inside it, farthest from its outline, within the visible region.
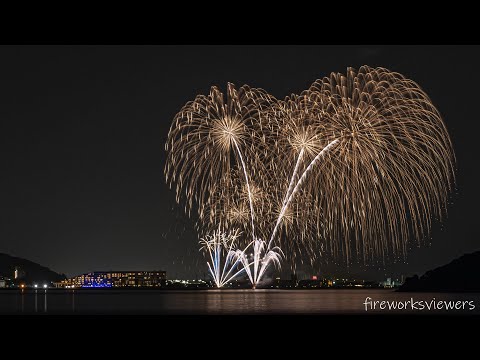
(235, 302)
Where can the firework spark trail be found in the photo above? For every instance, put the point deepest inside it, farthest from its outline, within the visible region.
(274, 256)
(261, 255)
(252, 213)
(285, 199)
(299, 184)
(218, 245)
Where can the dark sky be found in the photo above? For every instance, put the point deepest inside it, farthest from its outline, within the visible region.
(83, 131)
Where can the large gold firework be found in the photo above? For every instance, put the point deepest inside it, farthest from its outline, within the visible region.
(211, 136)
(360, 163)
(392, 169)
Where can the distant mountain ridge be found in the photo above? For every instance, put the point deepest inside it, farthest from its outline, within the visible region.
(33, 272)
(462, 274)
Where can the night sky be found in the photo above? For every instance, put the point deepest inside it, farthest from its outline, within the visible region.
(83, 130)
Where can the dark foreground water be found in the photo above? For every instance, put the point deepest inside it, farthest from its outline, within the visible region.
(235, 302)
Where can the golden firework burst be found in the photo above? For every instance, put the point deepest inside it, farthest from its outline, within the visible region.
(360, 162)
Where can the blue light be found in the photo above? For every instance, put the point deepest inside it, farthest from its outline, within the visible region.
(96, 283)
(101, 285)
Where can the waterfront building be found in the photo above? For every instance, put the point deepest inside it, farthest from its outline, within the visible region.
(117, 279)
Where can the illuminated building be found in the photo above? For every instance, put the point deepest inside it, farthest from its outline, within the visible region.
(389, 283)
(18, 273)
(117, 279)
(187, 284)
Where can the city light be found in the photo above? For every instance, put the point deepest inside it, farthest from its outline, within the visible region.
(45, 286)
(115, 279)
(35, 286)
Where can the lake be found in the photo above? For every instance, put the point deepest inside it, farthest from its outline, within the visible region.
(233, 302)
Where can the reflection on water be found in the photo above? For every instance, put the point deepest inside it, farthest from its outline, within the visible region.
(101, 301)
(26, 301)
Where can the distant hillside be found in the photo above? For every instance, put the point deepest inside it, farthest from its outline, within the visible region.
(33, 272)
(462, 274)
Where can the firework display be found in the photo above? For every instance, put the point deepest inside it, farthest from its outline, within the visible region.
(358, 165)
(223, 255)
